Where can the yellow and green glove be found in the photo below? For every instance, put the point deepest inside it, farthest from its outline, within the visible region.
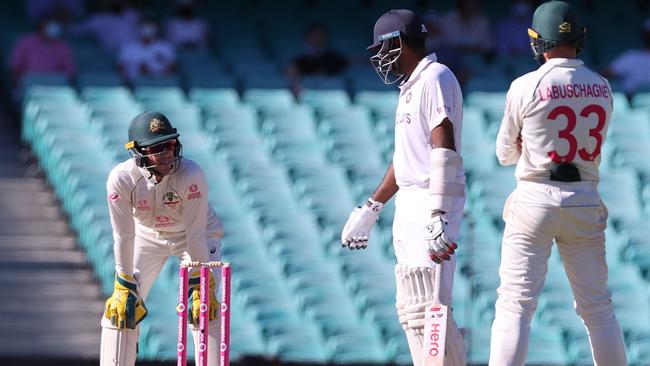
(194, 295)
(125, 307)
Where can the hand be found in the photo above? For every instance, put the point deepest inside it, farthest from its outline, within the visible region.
(194, 295)
(439, 244)
(357, 229)
(125, 307)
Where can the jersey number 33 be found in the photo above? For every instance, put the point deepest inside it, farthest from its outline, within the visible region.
(567, 132)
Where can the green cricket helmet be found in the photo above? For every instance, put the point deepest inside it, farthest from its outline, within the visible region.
(555, 23)
(151, 133)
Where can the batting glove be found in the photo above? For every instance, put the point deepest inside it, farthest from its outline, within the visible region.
(194, 295)
(440, 246)
(357, 229)
(125, 307)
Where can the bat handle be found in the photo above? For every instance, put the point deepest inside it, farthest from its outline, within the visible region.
(437, 283)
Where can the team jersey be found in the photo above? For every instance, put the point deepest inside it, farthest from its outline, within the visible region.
(175, 209)
(426, 98)
(562, 112)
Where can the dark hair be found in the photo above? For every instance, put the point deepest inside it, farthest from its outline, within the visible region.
(415, 43)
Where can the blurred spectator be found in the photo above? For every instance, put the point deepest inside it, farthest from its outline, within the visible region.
(512, 31)
(631, 67)
(466, 29)
(64, 10)
(435, 42)
(317, 57)
(186, 29)
(113, 28)
(42, 52)
(149, 55)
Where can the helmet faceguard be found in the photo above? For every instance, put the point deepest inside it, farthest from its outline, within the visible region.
(385, 61)
(151, 139)
(146, 157)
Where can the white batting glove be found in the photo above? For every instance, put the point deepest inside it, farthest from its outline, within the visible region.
(439, 244)
(357, 229)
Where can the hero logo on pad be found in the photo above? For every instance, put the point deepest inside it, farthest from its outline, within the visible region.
(113, 196)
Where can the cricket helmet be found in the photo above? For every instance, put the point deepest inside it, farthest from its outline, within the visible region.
(151, 133)
(396, 24)
(555, 23)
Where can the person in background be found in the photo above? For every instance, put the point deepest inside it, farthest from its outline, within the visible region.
(42, 52)
(186, 30)
(317, 56)
(467, 30)
(446, 54)
(113, 27)
(149, 55)
(511, 38)
(631, 67)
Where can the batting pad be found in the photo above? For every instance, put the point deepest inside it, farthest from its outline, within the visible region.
(414, 294)
(118, 346)
(214, 337)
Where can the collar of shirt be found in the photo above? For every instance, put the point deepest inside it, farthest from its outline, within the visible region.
(426, 61)
(150, 177)
(568, 62)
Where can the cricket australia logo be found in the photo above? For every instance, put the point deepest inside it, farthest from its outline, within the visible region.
(156, 125)
(565, 27)
(171, 199)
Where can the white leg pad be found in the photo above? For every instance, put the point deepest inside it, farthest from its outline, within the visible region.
(214, 341)
(118, 346)
(414, 293)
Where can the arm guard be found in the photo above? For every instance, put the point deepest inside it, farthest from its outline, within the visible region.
(444, 184)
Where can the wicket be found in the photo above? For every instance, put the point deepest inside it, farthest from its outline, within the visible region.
(182, 308)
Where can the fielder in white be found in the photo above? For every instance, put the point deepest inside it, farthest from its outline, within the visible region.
(555, 123)
(159, 208)
(427, 175)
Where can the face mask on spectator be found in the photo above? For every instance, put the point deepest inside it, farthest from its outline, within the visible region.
(148, 31)
(53, 29)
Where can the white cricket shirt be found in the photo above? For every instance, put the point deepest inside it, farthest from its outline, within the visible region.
(176, 209)
(426, 98)
(562, 112)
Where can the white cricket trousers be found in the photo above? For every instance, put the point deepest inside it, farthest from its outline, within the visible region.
(150, 255)
(573, 215)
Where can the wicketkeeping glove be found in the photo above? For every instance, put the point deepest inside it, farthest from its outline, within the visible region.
(439, 244)
(125, 307)
(194, 295)
(357, 229)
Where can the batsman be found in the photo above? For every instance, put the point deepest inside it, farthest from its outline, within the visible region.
(428, 178)
(555, 122)
(158, 204)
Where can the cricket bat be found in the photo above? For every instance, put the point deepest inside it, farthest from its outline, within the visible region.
(435, 326)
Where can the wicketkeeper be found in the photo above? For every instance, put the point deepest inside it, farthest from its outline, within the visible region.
(158, 203)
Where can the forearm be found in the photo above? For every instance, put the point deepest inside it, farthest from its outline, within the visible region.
(387, 188)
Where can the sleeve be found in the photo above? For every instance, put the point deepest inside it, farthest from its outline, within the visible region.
(507, 148)
(120, 209)
(195, 214)
(438, 100)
